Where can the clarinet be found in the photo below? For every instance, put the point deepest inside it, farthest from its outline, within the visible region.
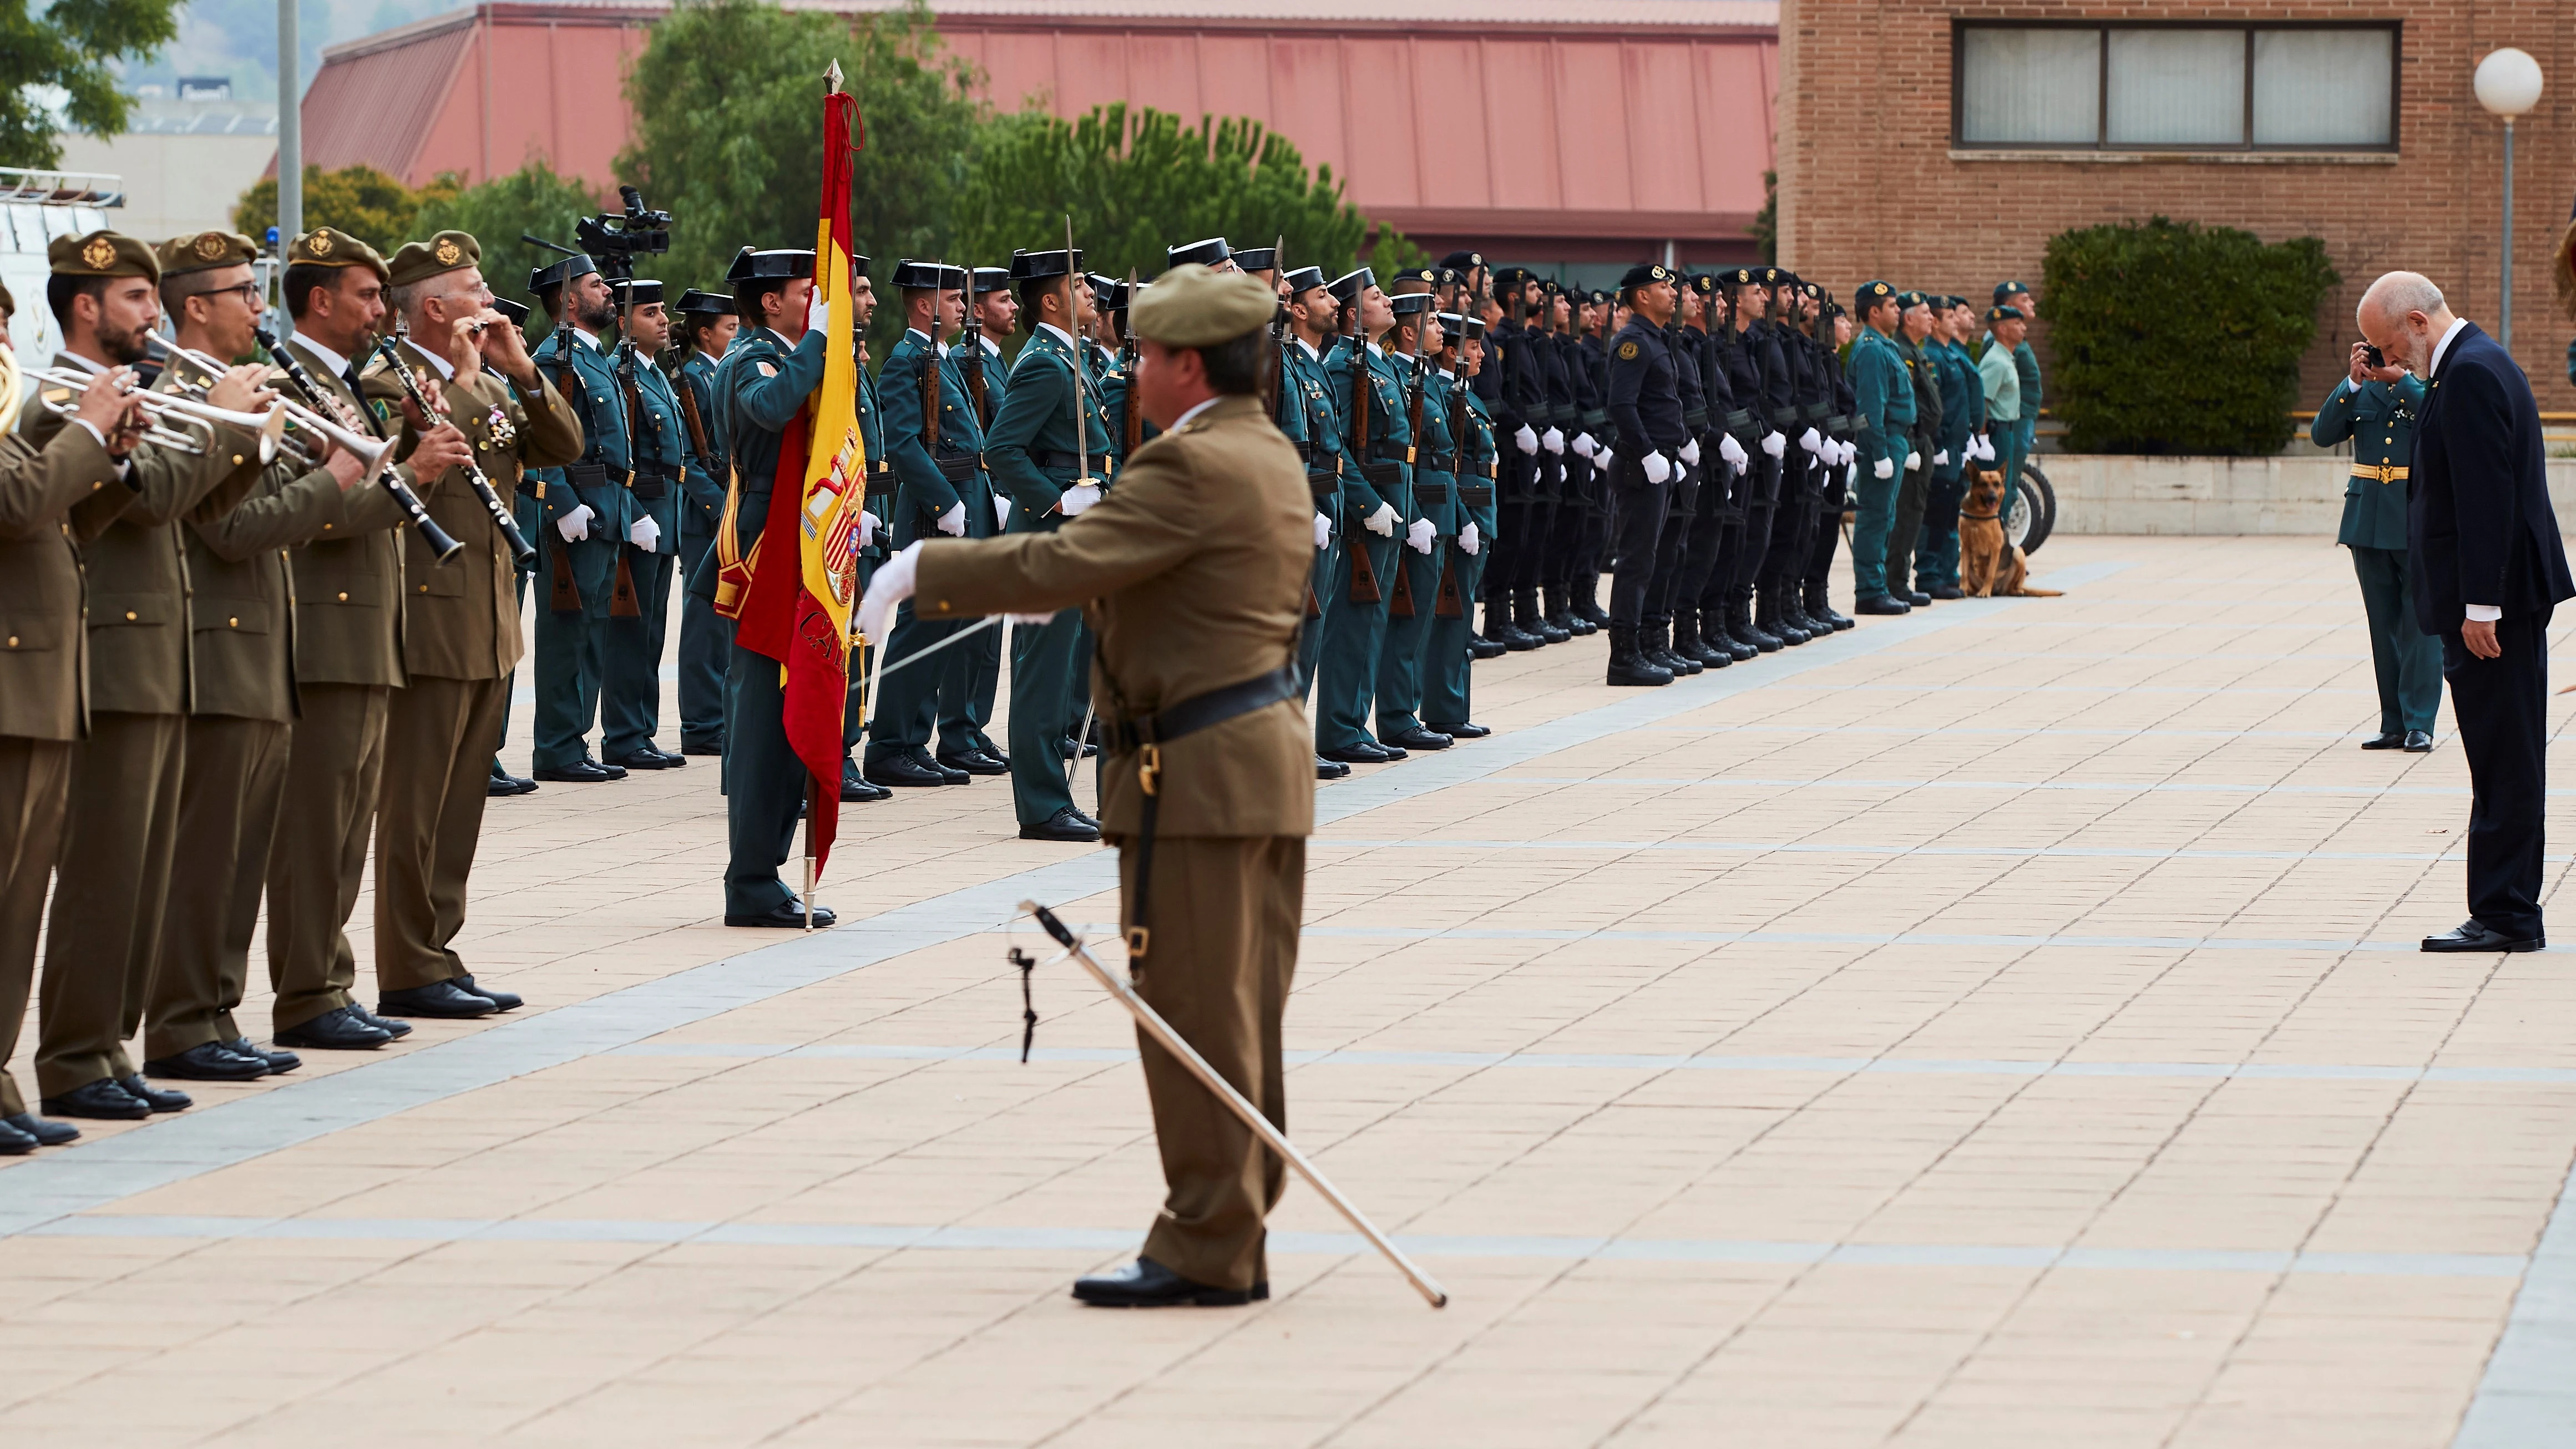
(443, 546)
(522, 552)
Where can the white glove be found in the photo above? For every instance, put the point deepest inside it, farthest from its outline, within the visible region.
(1381, 523)
(1941, 459)
(1851, 453)
(1658, 468)
(1077, 498)
(1033, 620)
(1001, 511)
(1775, 445)
(1732, 451)
(890, 585)
(1470, 541)
(575, 526)
(952, 523)
(1690, 452)
(1813, 442)
(1552, 440)
(644, 534)
(818, 315)
(1525, 440)
(1913, 459)
(1603, 459)
(1418, 537)
(1584, 446)
(1323, 531)
(1985, 448)
(1883, 468)
(868, 528)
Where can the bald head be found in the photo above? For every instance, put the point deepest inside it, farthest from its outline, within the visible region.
(2404, 316)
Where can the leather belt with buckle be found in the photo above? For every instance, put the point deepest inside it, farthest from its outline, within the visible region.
(2384, 472)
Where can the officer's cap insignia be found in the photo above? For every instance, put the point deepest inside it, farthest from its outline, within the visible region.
(1627, 350)
(210, 245)
(99, 252)
(449, 252)
(320, 244)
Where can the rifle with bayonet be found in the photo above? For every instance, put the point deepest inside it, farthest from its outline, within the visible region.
(1364, 585)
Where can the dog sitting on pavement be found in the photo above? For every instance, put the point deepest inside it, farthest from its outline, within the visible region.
(1988, 567)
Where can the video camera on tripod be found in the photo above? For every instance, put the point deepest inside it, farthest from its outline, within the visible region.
(614, 239)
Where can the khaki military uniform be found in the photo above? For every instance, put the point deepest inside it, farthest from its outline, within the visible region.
(349, 594)
(1193, 573)
(461, 644)
(113, 876)
(43, 679)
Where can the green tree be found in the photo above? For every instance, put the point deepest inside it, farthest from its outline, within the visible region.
(1138, 181)
(68, 47)
(728, 100)
(1765, 226)
(534, 198)
(360, 200)
(2176, 338)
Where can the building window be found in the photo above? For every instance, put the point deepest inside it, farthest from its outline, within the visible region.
(2172, 87)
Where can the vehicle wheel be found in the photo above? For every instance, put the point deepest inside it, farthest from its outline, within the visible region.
(2040, 505)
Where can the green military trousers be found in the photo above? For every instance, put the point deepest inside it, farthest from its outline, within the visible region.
(571, 646)
(1043, 660)
(1354, 636)
(229, 799)
(2407, 661)
(112, 882)
(764, 786)
(1400, 666)
(35, 788)
(630, 696)
(1445, 655)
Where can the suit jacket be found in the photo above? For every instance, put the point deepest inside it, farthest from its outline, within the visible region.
(44, 637)
(2479, 528)
(1193, 573)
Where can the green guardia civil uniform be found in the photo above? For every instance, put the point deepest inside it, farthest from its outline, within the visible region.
(1884, 392)
(974, 675)
(1445, 674)
(1035, 453)
(1355, 630)
(1403, 662)
(930, 482)
(1305, 391)
(630, 701)
(704, 633)
(879, 503)
(571, 647)
(2378, 419)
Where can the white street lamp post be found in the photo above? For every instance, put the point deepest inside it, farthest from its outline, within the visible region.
(2508, 84)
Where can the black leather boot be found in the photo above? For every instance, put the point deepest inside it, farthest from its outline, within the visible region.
(1500, 628)
(1525, 612)
(1655, 642)
(1713, 636)
(1587, 601)
(1688, 644)
(1770, 618)
(1627, 665)
(1739, 624)
(1820, 606)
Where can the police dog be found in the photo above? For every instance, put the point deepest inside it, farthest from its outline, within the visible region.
(1988, 567)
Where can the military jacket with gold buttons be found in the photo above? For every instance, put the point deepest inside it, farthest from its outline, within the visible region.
(932, 477)
(661, 447)
(140, 660)
(584, 373)
(2379, 420)
(349, 581)
(1302, 381)
(1384, 472)
(44, 647)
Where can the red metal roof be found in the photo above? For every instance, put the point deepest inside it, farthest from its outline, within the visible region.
(1571, 128)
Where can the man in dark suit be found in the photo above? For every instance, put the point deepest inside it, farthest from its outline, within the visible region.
(2482, 545)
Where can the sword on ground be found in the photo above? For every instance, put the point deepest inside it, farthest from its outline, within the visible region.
(1271, 1137)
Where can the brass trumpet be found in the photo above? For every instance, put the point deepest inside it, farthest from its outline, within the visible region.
(179, 423)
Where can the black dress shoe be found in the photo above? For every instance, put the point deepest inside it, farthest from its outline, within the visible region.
(787, 915)
(1463, 731)
(1418, 738)
(397, 1029)
(1945, 591)
(278, 1062)
(1330, 769)
(159, 1099)
(2419, 742)
(1071, 745)
(340, 1029)
(1391, 749)
(209, 1061)
(1068, 825)
(14, 1143)
(580, 772)
(855, 788)
(48, 1133)
(442, 999)
(2389, 741)
(903, 771)
(1359, 752)
(1918, 598)
(646, 758)
(501, 785)
(100, 1101)
(501, 1000)
(702, 747)
(1882, 604)
(1148, 1284)
(973, 762)
(1480, 647)
(2471, 936)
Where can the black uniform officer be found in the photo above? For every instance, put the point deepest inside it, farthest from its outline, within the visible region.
(1646, 411)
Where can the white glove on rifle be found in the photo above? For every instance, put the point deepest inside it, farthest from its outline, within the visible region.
(1525, 440)
(1323, 531)
(1077, 498)
(1986, 448)
(1883, 468)
(889, 586)
(1812, 441)
(1552, 440)
(644, 534)
(1001, 511)
(1603, 459)
(1658, 467)
(868, 527)
(1418, 537)
(1585, 446)
(952, 523)
(1913, 460)
(1775, 444)
(575, 526)
(1381, 523)
(1032, 620)
(1690, 452)
(1941, 459)
(1732, 451)
(1470, 541)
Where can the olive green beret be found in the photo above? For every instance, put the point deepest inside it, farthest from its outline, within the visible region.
(1192, 306)
(101, 254)
(203, 251)
(446, 252)
(331, 247)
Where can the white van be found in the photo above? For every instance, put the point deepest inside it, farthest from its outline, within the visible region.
(36, 207)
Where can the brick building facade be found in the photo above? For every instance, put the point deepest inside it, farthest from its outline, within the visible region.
(1882, 172)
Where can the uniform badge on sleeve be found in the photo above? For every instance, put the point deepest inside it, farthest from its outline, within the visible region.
(1627, 351)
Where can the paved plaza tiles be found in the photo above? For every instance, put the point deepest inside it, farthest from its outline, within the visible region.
(1995, 1027)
